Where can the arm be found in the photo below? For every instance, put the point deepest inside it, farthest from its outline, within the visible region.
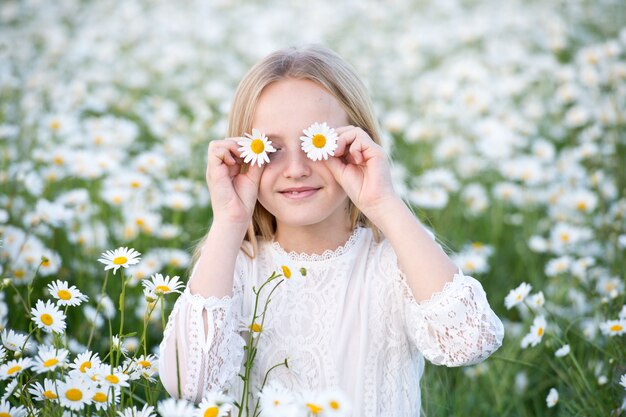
(201, 349)
(447, 314)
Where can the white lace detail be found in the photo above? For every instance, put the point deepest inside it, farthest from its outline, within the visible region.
(455, 326)
(325, 256)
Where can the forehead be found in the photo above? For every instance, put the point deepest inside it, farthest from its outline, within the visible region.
(288, 106)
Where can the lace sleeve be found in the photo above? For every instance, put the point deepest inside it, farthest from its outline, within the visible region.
(202, 349)
(456, 326)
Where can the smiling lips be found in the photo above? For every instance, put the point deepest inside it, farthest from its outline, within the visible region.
(299, 192)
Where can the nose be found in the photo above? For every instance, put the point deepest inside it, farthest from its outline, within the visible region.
(298, 165)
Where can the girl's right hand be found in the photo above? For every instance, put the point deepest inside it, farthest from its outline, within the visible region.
(233, 192)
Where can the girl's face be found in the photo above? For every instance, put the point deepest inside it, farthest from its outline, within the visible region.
(296, 190)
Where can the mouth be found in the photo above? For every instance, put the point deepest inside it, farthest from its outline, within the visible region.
(299, 192)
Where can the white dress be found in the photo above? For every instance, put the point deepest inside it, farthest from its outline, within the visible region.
(351, 323)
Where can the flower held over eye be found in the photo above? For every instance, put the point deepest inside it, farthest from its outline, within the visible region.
(255, 147)
(320, 141)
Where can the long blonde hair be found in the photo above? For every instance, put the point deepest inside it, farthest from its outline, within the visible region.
(324, 67)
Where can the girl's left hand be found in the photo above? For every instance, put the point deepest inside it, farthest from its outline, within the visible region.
(361, 167)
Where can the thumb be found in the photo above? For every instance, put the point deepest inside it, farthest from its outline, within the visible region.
(254, 172)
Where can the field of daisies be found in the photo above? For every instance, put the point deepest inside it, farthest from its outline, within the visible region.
(506, 121)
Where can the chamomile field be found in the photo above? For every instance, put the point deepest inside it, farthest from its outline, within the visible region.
(505, 121)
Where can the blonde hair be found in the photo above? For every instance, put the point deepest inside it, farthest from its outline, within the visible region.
(324, 67)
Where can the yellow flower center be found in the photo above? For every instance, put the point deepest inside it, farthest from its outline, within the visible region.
(565, 237)
(314, 408)
(74, 394)
(19, 273)
(58, 160)
(4, 414)
(120, 260)
(64, 295)
(276, 402)
(144, 364)
(45, 263)
(100, 397)
(540, 331)
(257, 146)
(211, 412)
(616, 328)
(581, 206)
(55, 125)
(318, 140)
(256, 327)
(470, 265)
(46, 319)
(334, 405)
(286, 271)
(84, 366)
(50, 362)
(139, 222)
(519, 297)
(13, 370)
(162, 288)
(49, 395)
(112, 379)
(135, 184)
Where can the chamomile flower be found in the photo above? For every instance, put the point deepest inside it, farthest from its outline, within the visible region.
(143, 366)
(146, 411)
(84, 362)
(115, 378)
(335, 404)
(275, 400)
(614, 327)
(172, 407)
(537, 330)
(120, 257)
(14, 367)
(49, 358)
(6, 409)
(159, 285)
(255, 147)
(562, 351)
(66, 295)
(103, 397)
(48, 317)
(75, 393)
(517, 295)
(319, 142)
(15, 341)
(214, 404)
(622, 381)
(552, 398)
(45, 392)
(3, 354)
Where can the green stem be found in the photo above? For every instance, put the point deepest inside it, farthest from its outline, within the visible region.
(95, 319)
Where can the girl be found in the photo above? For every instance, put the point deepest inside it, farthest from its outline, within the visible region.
(379, 294)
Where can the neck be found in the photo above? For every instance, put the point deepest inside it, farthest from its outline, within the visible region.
(313, 239)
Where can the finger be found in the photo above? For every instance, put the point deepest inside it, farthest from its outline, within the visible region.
(339, 130)
(344, 140)
(336, 166)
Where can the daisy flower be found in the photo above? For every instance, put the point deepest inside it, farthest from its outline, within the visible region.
(159, 285)
(145, 366)
(517, 295)
(255, 147)
(537, 330)
(563, 351)
(115, 378)
(6, 409)
(85, 361)
(102, 397)
(3, 354)
(172, 407)
(275, 399)
(15, 341)
(552, 398)
(214, 404)
(49, 358)
(146, 411)
(74, 393)
(614, 327)
(335, 404)
(622, 381)
(47, 391)
(120, 257)
(48, 317)
(319, 141)
(66, 296)
(14, 367)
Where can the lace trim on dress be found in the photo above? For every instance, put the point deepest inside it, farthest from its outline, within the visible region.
(326, 255)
